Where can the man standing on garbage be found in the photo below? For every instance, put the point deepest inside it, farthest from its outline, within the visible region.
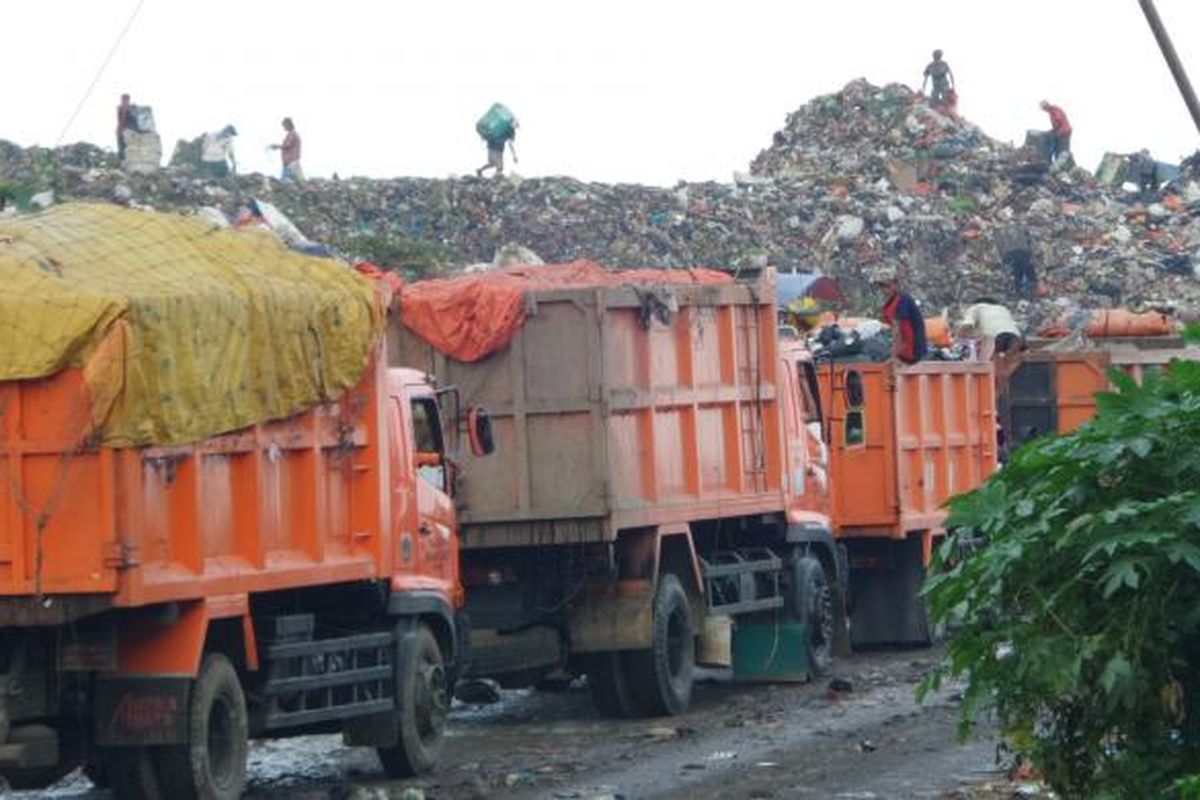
(1145, 169)
(1059, 138)
(124, 123)
(216, 153)
(994, 326)
(943, 80)
(497, 127)
(289, 152)
(901, 312)
(1016, 252)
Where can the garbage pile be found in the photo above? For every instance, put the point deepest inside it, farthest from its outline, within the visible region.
(866, 177)
(896, 183)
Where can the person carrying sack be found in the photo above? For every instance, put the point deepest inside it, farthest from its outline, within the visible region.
(497, 127)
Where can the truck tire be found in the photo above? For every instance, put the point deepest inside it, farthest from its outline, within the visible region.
(424, 698)
(606, 680)
(660, 679)
(130, 773)
(810, 602)
(212, 765)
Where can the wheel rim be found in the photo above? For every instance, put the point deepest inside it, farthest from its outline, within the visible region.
(677, 636)
(432, 701)
(221, 747)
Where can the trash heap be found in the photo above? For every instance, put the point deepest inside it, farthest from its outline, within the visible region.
(868, 176)
(900, 184)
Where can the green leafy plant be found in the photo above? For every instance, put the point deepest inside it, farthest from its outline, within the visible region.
(413, 258)
(1078, 620)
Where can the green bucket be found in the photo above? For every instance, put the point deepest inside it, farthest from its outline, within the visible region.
(770, 649)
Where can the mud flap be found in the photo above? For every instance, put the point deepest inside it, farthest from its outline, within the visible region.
(142, 711)
(614, 616)
(887, 605)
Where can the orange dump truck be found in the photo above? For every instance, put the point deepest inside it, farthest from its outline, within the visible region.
(903, 440)
(162, 604)
(659, 473)
(1051, 387)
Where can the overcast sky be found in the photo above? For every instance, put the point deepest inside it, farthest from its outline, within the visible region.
(649, 91)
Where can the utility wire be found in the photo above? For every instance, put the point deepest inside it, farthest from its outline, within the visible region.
(100, 72)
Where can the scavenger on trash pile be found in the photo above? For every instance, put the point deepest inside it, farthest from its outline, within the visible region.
(1016, 252)
(289, 152)
(124, 123)
(943, 81)
(993, 325)
(216, 153)
(1144, 170)
(210, 155)
(901, 311)
(1059, 138)
(497, 127)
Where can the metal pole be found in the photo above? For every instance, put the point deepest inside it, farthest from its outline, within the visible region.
(1173, 62)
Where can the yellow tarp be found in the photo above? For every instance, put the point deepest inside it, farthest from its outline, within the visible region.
(184, 329)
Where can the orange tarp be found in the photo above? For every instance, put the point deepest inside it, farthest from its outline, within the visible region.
(471, 316)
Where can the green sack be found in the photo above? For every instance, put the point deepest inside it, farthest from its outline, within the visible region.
(498, 125)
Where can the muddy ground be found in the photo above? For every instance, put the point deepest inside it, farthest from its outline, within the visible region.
(737, 741)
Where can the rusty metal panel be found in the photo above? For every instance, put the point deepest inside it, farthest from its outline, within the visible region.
(916, 436)
(605, 411)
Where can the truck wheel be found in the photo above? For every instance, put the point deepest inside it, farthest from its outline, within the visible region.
(810, 602)
(212, 765)
(660, 679)
(606, 680)
(424, 698)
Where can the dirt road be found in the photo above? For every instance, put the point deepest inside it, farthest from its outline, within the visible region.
(738, 741)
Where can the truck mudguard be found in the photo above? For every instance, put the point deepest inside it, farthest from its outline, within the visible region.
(427, 604)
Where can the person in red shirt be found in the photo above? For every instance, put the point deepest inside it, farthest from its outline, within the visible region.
(902, 313)
(1060, 131)
(289, 152)
(124, 122)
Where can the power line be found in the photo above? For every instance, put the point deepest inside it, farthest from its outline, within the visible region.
(100, 72)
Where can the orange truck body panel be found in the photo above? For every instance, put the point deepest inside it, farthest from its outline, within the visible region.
(319, 498)
(607, 421)
(921, 434)
(1047, 389)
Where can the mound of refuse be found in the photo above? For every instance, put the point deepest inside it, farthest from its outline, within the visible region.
(863, 178)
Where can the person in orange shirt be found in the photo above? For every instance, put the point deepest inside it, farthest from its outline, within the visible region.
(1059, 139)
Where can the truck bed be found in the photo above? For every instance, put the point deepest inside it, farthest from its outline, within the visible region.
(607, 417)
(289, 503)
(920, 435)
(1052, 386)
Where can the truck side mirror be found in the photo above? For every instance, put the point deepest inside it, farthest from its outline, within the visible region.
(479, 432)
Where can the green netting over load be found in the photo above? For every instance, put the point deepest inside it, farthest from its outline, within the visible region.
(498, 125)
(183, 329)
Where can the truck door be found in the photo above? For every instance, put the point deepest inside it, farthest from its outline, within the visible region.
(435, 513)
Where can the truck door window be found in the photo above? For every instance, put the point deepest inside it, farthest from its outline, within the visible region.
(856, 423)
(427, 436)
(810, 393)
